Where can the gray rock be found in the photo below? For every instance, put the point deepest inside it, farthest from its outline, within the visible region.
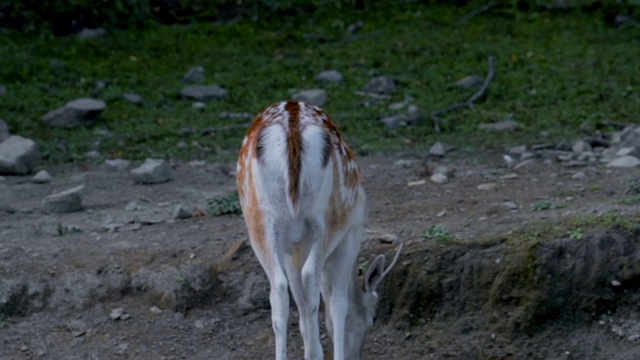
(380, 85)
(523, 164)
(487, 186)
(624, 162)
(439, 178)
(509, 176)
(405, 163)
(203, 92)
(132, 206)
(506, 125)
(315, 97)
(172, 294)
(198, 105)
(42, 177)
(255, 293)
(82, 111)
(508, 159)
(580, 146)
(509, 205)
(64, 202)
(103, 133)
(629, 150)
(580, 175)
(329, 76)
(92, 154)
(445, 170)
(397, 105)
(181, 212)
(469, 82)
(4, 131)
(527, 155)
(586, 156)
(3, 90)
(195, 74)
(395, 121)
(630, 137)
(133, 98)
(437, 149)
(116, 165)
(91, 33)
(116, 313)
(414, 115)
(235, 115)
(18, 155)
(152, 171)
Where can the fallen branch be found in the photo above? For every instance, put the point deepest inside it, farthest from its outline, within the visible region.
(358, 37)
(465, 19)
(468, 104)
(373, 95)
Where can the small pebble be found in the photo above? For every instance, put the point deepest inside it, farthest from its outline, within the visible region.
(487, 186)
(42, 177)
(155, 310)
(439, 178)
(116, 313)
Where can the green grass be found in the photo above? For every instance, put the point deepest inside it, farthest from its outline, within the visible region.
(225, 205)
(555, 70)
(542, 205)
(439, 233)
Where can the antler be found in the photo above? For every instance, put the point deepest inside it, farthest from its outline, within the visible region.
(393, 263)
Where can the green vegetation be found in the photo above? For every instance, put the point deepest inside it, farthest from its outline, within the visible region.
(595, 188)
(438, 233)
(66, 230)
(575, 234)
(542, 205)
(554, 71)
(631, 200)
(574, 227)
(225, 205)
(634, 187)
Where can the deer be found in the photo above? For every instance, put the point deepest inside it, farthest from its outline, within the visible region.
(303, 203)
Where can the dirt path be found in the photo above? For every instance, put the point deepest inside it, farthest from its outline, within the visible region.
(185, 295)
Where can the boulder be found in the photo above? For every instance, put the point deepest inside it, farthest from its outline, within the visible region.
(64, 202)
(78, 112)
(18, 155)
(152, 171)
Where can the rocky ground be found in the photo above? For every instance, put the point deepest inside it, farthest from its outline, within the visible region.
(496, 264)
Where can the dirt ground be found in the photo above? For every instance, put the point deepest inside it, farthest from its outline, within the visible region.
(121, 279)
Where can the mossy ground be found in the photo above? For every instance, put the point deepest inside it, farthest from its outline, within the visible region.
(555, 70)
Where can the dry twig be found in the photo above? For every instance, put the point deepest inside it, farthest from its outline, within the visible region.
(468, 104)
(465, 19)
(373, 95)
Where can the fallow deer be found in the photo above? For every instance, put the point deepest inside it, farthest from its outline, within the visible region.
(303, 202)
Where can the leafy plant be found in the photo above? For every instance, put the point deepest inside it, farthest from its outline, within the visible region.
(595, 188)
(542, 205)
(575, 234)
(66, 230)
(363, 266)
(631, 200)
(438, 233)
(225, 205)
(634, 187)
